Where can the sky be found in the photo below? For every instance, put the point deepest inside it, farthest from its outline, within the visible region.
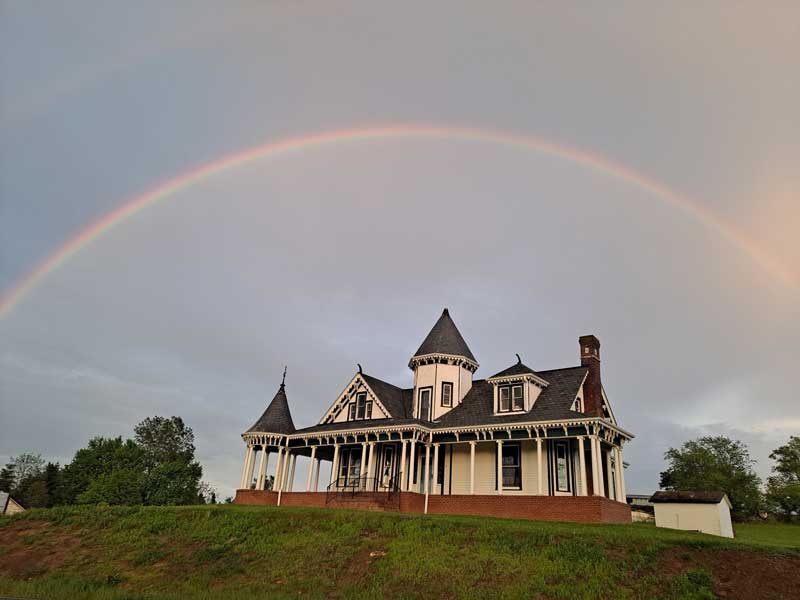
(334, 254)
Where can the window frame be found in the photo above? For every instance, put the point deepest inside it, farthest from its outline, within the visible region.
(567, 458)
(447, 385)
(353, 408)
(429, 390)
(509, 388)
(517, 467)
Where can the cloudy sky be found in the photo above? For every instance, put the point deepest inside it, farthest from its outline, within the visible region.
(347, 252)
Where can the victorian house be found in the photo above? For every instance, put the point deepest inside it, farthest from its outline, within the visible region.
(521, 443)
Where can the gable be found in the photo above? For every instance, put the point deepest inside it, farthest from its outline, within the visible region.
(338, 412)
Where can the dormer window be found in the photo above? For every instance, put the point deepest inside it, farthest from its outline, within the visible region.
(360, 409)
(578, 406)
(511, 398)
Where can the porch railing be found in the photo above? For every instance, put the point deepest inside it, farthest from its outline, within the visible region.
(379, 487)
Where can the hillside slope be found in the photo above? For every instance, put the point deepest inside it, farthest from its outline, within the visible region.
(262, 552)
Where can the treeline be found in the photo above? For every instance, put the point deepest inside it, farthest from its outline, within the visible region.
(718, 463)
(156, 467)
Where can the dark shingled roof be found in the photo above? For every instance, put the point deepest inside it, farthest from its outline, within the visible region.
(364, 424)
(517, 369)
(445, 338)
(553, 403)
(277, 418)
(688, 497)
(396, 400)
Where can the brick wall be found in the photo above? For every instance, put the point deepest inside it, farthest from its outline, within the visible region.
(579, 509)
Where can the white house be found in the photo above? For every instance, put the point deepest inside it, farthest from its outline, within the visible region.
(707, 512)
(520, 443)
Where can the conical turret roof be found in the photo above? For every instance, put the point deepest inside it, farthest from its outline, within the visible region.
(277, 418)
(445, 338)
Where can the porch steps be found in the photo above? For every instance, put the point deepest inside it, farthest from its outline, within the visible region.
(378, 502)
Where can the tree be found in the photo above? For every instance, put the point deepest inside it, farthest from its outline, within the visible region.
(7, 477)
(52, 480)
(173, 483)
(26, 465)
(121, 486)
(101, 457)
(783, 487)
(715, 463)
(165, 440)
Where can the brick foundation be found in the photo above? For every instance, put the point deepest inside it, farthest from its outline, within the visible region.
(579, 509)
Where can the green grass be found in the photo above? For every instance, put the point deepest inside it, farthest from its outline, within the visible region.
(265, 552)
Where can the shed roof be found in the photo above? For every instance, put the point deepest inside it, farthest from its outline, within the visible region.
(684, 496)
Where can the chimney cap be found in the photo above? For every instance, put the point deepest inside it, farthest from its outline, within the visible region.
(589, 340)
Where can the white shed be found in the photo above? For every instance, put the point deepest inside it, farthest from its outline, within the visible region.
(707, 512)
(9, 506)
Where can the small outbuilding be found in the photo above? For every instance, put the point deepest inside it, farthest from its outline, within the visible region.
(706, 512)
(9, 506)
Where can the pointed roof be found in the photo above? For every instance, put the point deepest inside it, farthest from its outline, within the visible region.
(515, 369)
(445, 338)
(277, 418)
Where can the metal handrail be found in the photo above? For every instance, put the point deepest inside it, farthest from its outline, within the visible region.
(345, 486)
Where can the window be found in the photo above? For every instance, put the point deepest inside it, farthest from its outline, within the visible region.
(579, 404)
(360, 409)
(512, 467)
(350, 466)
(562, 468)
(425, 404)
(511, 398)
(447, 394)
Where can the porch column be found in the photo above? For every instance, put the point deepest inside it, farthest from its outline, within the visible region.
(600, 467)
(335, 467)
(244, 466)
(290, 483)
(597, 469)
(361, 469)
(435, 467)
(621, 471)
(620, 482)
(276, 483)
(427, 474)
(540, 466)
(262, 468)
(371, 464)
(287, 464)
(472, 467)
(310, 468)
(611, 494)
(317, 464)
(403, 473)
(582, 465)
(499, 466)
(251, 465)
(411, 466)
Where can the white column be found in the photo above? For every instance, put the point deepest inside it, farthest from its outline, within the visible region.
(435, 467)
(600, 468)
(619, 468)
(251, 466)
(427, 474)
(403, 474)
(411, 466)
(244, 466)
(287, 461)
(609, 472)
(582, 465)
(362, 469)
(278, 466)
(335, 466)
(317, 464)
(310, 468)
(290, 483)
(595, 462)
(499, 466)
(622, 475)
(260, 478)
(266, 468)
(540, 466)
(371, 467)
(472, 467)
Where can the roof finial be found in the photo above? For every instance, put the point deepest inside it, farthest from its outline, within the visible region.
(519, 360)
(360, 370)
(446, 312)
(283, 381)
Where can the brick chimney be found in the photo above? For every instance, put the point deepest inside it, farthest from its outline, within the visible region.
(592, 388)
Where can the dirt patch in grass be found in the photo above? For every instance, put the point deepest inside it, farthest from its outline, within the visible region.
(738, 573)
(31, 550)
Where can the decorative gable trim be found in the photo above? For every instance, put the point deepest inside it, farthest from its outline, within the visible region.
(346, 396)
(522, 377)
(607, 406)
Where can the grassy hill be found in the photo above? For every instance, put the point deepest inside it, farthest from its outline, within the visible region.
(264, 552)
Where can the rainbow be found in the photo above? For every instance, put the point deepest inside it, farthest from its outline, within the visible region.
(273, 149)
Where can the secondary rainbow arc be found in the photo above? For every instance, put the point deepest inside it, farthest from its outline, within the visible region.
(25, 285)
